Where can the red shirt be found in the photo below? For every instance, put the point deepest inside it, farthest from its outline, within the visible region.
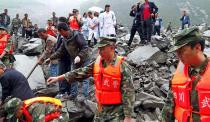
(146, 11)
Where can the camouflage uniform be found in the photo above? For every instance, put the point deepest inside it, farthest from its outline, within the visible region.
(169, 28)
(37, 111)
(8, 58)
(167, 114)
(16, 24)
(114, 113)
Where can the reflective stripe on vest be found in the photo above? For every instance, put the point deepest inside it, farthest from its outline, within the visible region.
(181, 90)
(3, 43)
(57, 103)
(107, 82)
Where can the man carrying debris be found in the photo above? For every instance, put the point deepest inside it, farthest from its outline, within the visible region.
(114, 92)
(38, 109)
(189, 96)
(6, 48)
(49, 44)
(76, 46)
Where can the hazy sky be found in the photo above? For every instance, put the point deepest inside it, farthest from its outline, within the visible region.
(40, 10)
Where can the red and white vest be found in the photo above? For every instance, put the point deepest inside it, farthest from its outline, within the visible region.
(181, 90)
(74, 24)
(107, 82)
(50, 30)
(57, 103)
(3, 43)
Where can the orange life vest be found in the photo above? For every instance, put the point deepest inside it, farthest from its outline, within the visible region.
(74, 24)
(107, 82)
(181, 89)
(57, 103)
(3, 43)
(50, 30)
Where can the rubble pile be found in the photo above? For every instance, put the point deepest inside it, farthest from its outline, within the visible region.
(152, 68)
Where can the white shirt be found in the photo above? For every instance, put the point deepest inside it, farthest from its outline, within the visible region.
(108, 18)
(92, 22)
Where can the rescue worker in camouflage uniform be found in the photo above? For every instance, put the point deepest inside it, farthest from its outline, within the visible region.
(114, 92)
(38, 109)
(6, 48)
(16, 24)
(189, 95)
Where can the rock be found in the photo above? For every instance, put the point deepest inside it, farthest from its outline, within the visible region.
(157, 38)
(155, 64)
(24, 64)
(163, 69)
(142, 96)
(164, 88)
(46, 91)
(91, 105)
(203, 27)
(75, 113)
(152, 104)
(206, 33)
(207, 43)
(207, 51)
(125, 38)
(157, 91)
(148, 86)
(32, 48)
(142, 53)
(159, 57)
(120, 51)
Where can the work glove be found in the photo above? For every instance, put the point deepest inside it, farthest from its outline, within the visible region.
(77, 60)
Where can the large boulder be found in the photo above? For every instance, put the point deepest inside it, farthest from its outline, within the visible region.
(24, 64)
(34, 47)
(142, 53)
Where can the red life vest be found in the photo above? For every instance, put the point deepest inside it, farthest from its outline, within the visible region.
(107, 82)
(74, 24)
(50, 30)
(3, 43)
(181, 90)
(57, 103)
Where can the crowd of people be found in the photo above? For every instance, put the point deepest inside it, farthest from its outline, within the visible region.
(66, 42)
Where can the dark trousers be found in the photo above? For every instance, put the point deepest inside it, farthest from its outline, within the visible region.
(28, 34)
(147, 29)
(23, 31)
(135, 28)
(63, 67)
(95, 41)
(157, 30)
(85, 83)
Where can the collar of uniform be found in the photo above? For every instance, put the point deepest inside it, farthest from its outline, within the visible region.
(112, 62)
(200, 69)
